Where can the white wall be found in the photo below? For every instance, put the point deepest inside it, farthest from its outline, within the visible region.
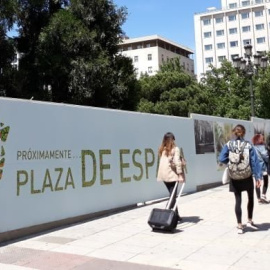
(109, 160)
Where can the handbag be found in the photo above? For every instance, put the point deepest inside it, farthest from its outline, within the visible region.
(225, 177)
(181, 176)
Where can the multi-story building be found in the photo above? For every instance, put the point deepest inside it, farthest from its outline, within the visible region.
(222, 33)
(150, 52)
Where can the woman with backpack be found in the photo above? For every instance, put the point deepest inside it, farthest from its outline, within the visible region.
(241, 177)
(262, 153)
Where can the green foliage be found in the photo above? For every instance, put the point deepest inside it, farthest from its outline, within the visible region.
(262, 94)
(172, 92)
(70, 52)
(7, 14)
(229, 92)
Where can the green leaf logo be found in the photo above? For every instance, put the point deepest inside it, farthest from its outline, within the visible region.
(4, 131)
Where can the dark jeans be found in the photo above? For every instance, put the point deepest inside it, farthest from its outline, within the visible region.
(170, 187)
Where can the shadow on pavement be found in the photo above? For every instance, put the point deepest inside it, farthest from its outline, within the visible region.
(191, 219)
(261, 227)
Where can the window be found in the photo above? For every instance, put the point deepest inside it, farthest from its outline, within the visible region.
(139, 46)
(247, 42)
(149, 57)
(233, 31)
(234, 56)
(206, 21)
(259, 26)
(208, 47)
(219, 20)
(221, 45)
(148, 45)
(150, 70)
(221, 58)
(233, 5)
(261, 40)
(220, 33)
(258, 13)
(245, 15)
(232, 18)
(136, 58)
(207, 34)
(234, 44)
(129, 48)
(258, 1)
(245, 3)
(209, 60)
(246, 28)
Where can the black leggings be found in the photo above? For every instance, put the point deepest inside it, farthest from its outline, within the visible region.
(265, 187)
(170, 187)
(238, 202)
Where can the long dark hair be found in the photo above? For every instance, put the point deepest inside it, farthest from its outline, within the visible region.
(168, 143)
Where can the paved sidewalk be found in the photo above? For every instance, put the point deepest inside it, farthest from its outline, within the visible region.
(205, 239)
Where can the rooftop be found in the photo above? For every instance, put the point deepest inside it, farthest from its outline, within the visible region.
(155, 37)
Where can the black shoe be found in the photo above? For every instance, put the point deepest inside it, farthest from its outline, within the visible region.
(179, 218)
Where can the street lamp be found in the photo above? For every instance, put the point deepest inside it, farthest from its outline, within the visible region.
(250, 68)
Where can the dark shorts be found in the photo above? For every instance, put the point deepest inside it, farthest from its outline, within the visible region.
(241, 185)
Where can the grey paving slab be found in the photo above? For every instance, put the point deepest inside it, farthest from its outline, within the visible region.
(206, 238)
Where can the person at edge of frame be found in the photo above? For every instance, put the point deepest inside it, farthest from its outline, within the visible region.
(170, 168)
(238, 186)
(262, 153)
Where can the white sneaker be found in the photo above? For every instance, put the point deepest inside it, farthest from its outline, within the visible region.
(265, 199)
(240, 230)
(251, 225)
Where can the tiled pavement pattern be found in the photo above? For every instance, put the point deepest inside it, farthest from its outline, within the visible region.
(205, 239)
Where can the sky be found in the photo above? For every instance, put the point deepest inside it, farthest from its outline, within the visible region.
(171, 19)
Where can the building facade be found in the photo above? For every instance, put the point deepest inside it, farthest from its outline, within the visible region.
(150, 52)
(222, 33)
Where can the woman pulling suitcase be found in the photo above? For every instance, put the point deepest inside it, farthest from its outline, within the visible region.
(170, 170)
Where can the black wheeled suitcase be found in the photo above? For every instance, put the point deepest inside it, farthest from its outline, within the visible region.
(166, 219)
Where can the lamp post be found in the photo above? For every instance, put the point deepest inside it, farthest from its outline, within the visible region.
(250, 68)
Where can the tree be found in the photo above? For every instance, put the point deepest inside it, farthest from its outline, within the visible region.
(7, 17)
(70, 53)
(262, 94)
(31, 17)
(6, 70)
(172, 92)
(228, 91)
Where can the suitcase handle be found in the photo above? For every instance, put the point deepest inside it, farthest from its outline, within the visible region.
(179, 195)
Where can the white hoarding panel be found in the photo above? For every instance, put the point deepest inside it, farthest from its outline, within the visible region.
(62, 161)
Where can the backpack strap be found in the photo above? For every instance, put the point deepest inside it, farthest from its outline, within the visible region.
(233, 147)
(242, 147)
